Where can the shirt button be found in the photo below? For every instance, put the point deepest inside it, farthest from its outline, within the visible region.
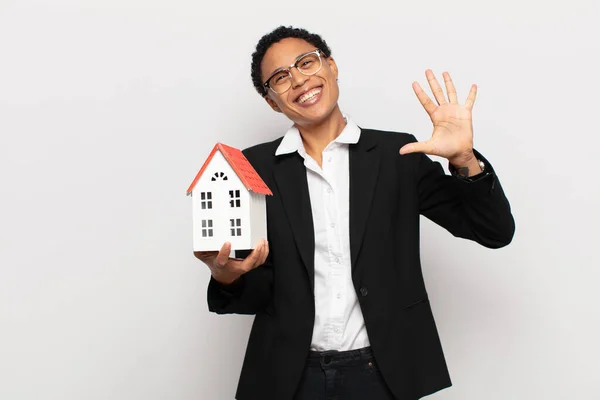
(329, 159)
(339, 296)
(337, 260)
(329, 190)
(364, 292)
(332, 225)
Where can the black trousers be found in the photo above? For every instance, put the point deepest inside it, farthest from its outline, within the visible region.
(344, 375)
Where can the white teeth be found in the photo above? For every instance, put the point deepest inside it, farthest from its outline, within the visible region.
(309, 95)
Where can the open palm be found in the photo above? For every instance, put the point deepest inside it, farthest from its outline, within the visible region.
(452, 136)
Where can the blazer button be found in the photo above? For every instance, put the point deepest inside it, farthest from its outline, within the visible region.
(364, 291)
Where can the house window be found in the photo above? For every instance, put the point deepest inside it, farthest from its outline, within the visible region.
(234, 196)
(219, 175)
(236, 227)
(207, 228)
(206, 200)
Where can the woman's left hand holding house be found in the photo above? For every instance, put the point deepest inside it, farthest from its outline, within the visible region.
(227, 270)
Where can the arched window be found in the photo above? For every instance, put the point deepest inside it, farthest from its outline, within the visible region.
(219, 175)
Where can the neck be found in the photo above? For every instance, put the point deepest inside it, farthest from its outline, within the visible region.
(317, 136)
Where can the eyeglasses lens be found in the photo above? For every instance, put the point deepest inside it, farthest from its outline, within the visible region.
(310, 64)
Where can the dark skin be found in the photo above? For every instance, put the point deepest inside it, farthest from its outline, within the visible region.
(452, 136)
(227, 270)
(320, 122)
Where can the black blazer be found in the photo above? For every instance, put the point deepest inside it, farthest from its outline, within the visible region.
(388, 192)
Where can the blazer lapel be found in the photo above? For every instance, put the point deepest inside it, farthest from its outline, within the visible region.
(364, 169)
(290, 177)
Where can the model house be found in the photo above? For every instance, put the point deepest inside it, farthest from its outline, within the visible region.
(229, 204)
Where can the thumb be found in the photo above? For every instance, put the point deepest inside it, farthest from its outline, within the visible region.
(417, 147)
(223, 255)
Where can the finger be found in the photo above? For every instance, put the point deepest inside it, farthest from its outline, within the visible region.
(418, 147)
(265, 253)
(223, 255)
(261, 255)
(471, 97)
(450, 89)
(249, 262)
(436, 89)
(425, 101)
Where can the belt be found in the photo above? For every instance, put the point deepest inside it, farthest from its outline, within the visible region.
(333, 356)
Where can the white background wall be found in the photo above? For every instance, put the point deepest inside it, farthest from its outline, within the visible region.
(108, 108)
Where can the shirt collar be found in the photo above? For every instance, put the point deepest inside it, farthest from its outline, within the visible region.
(292, 141)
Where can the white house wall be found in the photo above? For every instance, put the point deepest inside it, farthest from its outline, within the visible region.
(221, 212)
(258, 216)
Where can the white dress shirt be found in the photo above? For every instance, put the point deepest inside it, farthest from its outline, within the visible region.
(339, 323)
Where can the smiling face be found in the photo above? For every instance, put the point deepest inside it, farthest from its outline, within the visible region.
(311, 99)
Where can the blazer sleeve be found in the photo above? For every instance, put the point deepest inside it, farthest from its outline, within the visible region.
(477, 210)
(250, 295)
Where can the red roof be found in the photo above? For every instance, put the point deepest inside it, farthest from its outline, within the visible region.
(240, 165)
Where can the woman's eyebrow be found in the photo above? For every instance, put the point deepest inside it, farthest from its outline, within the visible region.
(295, 61)
(277, 70)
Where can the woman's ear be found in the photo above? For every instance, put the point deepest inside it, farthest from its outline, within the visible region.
(272, 103)
(332, 66)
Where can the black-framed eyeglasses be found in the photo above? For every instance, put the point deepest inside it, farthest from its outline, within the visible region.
(307, 64)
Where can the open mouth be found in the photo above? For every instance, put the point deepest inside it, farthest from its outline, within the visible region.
(310, 97)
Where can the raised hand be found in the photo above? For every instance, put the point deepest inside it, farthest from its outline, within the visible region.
(227, 270)
(452, 136)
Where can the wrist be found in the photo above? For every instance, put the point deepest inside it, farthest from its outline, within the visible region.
(226, 279)
(463, 159)
(467, 166)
